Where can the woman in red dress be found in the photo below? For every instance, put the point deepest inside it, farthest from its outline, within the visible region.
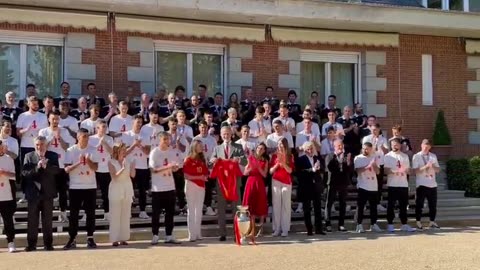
(255, 196)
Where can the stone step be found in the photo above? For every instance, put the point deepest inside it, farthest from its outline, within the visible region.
(210, 232)
(457, 202)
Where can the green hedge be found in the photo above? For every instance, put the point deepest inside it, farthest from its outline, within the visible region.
(464, 174)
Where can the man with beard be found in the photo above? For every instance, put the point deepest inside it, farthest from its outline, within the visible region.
(65, 96)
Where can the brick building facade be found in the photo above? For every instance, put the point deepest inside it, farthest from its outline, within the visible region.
(387, 70)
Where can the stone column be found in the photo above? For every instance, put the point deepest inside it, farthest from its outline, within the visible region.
(371, 84)
(145, 73)
(292, 79)
(76, 71)
(236, 78)
(473, 63)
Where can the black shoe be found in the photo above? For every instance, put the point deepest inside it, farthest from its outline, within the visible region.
(91, 243)
(70, 244)
(30, 248)
(49, 248)
(329, 228)
(309, 233)
(321, 232)
(222, 238)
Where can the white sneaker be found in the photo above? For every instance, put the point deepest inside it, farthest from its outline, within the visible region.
(210, 212)
(390, 228)
(380, 208)
(170, 239)
(360, 229)
(270, 210)
(106, 216)
(299, 208)
(143, 215)
(375, 228)
(11, 247)
(63, 217)
(1, 220)
(155, 240)
(419, 226)
(407, 228)
(434, 225)
(285, 234)
(348, 208)
(22, 200)
(276, 233)
(84, 218)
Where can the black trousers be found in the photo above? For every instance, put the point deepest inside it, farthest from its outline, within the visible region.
(209, 187)
(142, 182)
(35, 206)
(103, 182)
(23, 152)
(244, 183)
(365, 196)
(62, 187)
(88, 199)
(380, 183)
(399, 194)
(164, 200)
(268, 184)
(180, 188)
(7, 210)
(316, 198)
(332, 192)
(431, 195)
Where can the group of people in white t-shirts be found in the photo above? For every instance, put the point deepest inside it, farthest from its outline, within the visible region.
(106, 154)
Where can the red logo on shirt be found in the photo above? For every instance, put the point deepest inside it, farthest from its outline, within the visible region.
(124, 128)
(165, 162)
(100, 149)
(55, 143)
(34, 124)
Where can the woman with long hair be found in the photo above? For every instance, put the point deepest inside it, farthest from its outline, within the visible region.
(281, 168)
(196, 172)
(233, 102)
(255, 196)
(120, 193)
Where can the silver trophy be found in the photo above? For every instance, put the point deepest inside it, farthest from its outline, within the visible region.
(243, 223)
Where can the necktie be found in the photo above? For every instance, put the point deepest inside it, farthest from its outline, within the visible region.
(227, 151)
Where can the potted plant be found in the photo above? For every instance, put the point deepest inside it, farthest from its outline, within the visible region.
(442, 141)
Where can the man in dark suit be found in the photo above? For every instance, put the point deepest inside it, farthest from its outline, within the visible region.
(65, 95)
(39, 170)
(310, 186)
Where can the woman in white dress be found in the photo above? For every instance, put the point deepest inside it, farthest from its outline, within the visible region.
(120, 194)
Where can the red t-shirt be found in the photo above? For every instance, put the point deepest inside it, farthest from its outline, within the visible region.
(195, 167)
(281, 174)
(227, 172)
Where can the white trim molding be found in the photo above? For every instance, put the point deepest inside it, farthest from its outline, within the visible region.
(53, 18)
(427, 80)
(472, 46)
(185, 28)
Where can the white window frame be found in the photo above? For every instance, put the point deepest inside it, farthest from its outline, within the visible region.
(31, 38)
(191, 48)
(446, 5)
(329, 57)
(427, 80)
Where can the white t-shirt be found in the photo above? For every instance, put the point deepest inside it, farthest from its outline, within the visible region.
(302, 137)
(6, 164)
(377, 146)
(256, 126)
(128, 138)
(209, 144)
(120, 124)
(335, 126)
(272, 140)
(288, 123)
(425, 178)
(327, 147)
(185, 130)
(315, 127)
(12, 144)
(69, 122)
(392, 161)
(90, 125)
(54, 144)
(35, 121)
(82, 177)
(151, 131)
(162, 181)
(101, 152)
(367, 179)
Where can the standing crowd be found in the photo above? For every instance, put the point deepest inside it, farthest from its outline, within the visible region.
(181, 151)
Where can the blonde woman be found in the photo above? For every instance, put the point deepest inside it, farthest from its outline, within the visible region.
(120, 194)
(196, 173)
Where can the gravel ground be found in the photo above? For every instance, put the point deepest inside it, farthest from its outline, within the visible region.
(452, 249)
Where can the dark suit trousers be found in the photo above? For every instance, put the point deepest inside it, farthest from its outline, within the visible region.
(62, 186)
(332, 192)
(103, 182)
(317, 208)
(35, 206)
(87, 198)
(23, 152)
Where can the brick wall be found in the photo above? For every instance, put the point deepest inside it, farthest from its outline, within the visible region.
(402, 70)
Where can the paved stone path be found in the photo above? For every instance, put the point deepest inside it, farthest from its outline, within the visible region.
(446, 249)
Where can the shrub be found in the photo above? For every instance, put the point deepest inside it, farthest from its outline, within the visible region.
(441, 135)
(473, 185)
(459, 174)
